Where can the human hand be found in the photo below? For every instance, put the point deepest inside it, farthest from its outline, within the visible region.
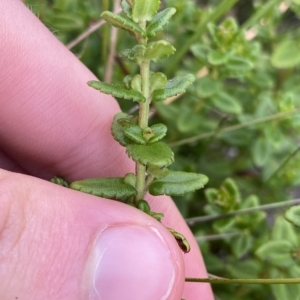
(57, 243)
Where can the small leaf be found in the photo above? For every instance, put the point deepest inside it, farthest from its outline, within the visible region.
(117, 130)
(59, 180)
(159, 131)
(158, 50)
(126, 8)
(156, 154)
(135, 133)
(286, 54)
(284, 230)
(181, 240)
(277, 253)
(208, 87)
(293, 215)
(117, 91)
(136, 54)
(130, 178)
(239, 64)
(144, 206)
(143, 11)
(136, 83)
(123, 23)
(177, 183)
(261, 151)
(157, 172)
(156, 216)
(175, 86)
(158, 81)
(127, 81)
(216, 57)
(241, 245)
(111, 188)
(159, 21)
(227, 103)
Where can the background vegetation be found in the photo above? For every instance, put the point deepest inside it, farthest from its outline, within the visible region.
(238, 124)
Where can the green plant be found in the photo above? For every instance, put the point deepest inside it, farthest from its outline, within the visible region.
(142, 141)
(239, 120)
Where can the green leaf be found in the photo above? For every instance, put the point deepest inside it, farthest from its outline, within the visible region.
(277, 253)
(144, 206)
(143, 11)
(156, 154)
(130, 178)
(217, 58)
(135, 133)
(136, 54)
(117, 91)
(159, 50)
(260, 151)
(239, 64)
(241, 245)
(177, 183)
(59, 180)
(208, 87)
(283, 230)
(136, 83)
(286, 291)
(111, 188)
(175, 86)
(159, 131)
(157, 172)
(227, 103)
(126, 8)
(200, 51)
(293, 215)
(123, 23)
(117, 130)
(286, 54)
(158, 81)
(127, 81)
(225, 225)
(159, 21)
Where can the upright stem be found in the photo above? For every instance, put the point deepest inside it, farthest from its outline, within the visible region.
(143, 118)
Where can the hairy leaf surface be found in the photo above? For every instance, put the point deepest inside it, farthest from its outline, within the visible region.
(175, 86)
(111, 188)
(177, 183)
(159, 21)
(123, 23)
(156, 154)
(143, 10)
(159, 50)
(117, 91)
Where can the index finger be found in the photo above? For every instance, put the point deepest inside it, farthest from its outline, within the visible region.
(51, 122)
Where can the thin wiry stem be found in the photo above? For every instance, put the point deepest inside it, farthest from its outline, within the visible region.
(112, 46)
(283, 164)
(246, 281)
(215, 237)
(234, 127)
(203, 219)
(87, 33)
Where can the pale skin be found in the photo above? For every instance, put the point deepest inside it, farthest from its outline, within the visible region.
(52, 123)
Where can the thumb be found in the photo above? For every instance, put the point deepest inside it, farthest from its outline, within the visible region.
(60, 244)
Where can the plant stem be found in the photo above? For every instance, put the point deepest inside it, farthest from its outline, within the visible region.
(234, 127)
(246, 281)
(143, 118)
(203, 219)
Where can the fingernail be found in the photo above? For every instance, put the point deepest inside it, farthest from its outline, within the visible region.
(131, 262)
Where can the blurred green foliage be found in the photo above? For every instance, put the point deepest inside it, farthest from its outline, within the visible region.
(238, 124)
